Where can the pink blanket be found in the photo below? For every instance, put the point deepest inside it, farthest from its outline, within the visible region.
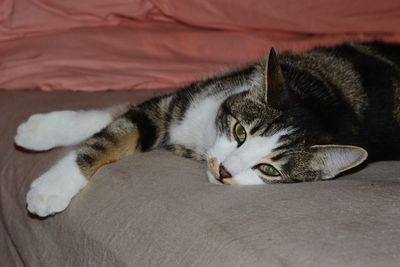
(146, 44)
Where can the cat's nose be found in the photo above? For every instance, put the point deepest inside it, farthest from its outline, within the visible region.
(223, 173)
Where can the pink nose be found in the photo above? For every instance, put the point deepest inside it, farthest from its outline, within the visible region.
(223, 173)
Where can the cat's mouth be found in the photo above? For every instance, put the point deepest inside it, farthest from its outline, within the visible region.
(218, 173)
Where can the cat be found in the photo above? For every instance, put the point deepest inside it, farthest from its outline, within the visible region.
(288, 118)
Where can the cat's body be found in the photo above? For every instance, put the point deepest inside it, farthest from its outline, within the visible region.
(300, 118)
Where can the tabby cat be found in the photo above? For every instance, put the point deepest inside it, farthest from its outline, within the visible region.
(299, 117)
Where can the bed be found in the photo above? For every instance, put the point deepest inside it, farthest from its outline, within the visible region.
(157, 209)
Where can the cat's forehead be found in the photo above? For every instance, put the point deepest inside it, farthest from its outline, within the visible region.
(247, 108)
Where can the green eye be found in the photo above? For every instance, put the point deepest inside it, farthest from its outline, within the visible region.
(268, 170)
(239, 133)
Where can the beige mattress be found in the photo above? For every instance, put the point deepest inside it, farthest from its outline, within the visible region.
(156, 209)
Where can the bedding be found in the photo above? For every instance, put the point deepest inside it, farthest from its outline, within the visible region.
(102, 45)
(126, 217)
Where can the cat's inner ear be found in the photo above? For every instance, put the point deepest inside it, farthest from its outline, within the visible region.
(275, 90)
(334, 159)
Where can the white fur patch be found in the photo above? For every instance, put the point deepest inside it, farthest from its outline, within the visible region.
(198, 126)
(197, 129)
(239, 161)
(222, 148)
(254, 149)
(248, 177)
(53, 190)
(60, 128)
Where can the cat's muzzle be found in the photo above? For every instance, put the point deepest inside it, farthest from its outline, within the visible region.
(220, 173)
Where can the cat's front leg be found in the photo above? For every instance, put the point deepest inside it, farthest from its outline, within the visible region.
(53, 190)
(62, 128)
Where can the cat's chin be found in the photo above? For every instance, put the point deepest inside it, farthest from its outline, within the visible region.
(212, 179)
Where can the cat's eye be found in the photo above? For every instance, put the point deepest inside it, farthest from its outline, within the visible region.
(268, 170)
(239, 133)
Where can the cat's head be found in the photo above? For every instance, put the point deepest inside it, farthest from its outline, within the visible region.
(262, 137)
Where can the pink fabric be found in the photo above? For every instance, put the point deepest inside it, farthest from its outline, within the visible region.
(146, 44)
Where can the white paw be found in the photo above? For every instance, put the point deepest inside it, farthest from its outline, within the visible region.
(45, 201)
(54, 190)
(60, 128)
(34, 134)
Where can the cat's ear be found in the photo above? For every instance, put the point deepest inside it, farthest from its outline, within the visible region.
(334, 159)
(275, 90)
